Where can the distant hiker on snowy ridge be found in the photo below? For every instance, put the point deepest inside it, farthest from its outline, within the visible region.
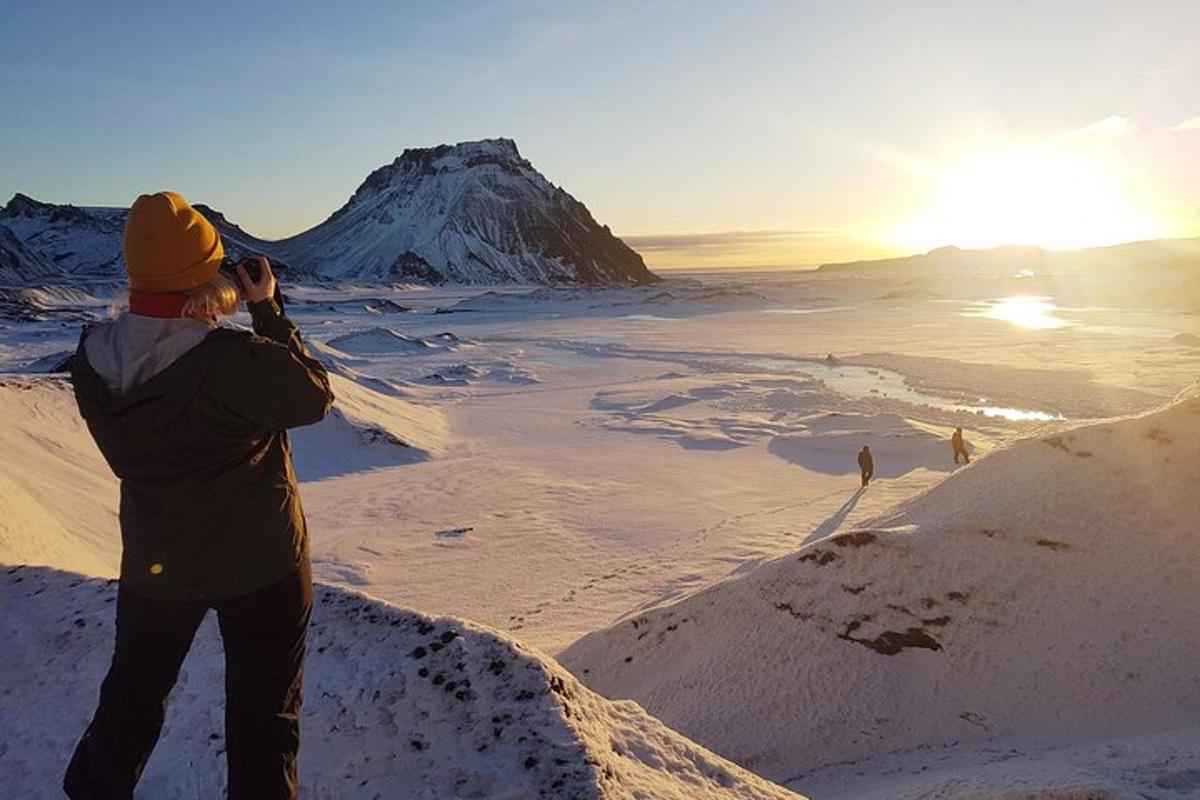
(960, 447)
(866, 465)
(192, 418)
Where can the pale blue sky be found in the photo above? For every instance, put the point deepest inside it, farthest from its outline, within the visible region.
(817, 124)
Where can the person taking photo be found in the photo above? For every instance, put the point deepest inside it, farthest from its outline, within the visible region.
(192, 417)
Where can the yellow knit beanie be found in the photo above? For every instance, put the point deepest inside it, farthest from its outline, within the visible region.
(169, 246)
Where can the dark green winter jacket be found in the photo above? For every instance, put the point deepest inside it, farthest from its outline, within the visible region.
(209, 505)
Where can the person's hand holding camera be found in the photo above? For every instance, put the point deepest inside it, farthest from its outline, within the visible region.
(261, 289)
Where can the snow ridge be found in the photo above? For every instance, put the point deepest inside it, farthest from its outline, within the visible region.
(397, 704)
(1041, 595)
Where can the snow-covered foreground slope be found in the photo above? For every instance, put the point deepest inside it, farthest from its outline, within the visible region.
(548, 508)
(398, 705)
(58, 499)
(1045, 595)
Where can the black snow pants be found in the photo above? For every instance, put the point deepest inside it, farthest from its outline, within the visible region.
(264, 636)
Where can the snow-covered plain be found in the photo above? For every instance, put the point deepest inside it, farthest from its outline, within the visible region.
(557, 463)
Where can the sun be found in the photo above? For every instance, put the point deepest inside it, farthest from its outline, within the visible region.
(1051, 196)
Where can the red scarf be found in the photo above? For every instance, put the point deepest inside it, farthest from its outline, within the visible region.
(155, 304)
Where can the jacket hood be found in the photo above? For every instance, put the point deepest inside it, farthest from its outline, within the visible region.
(134, 348)
(125, 363)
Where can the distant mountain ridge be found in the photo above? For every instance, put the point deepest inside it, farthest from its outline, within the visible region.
(77, 240)
(475, 212)
(18, 262)
(1152, 254)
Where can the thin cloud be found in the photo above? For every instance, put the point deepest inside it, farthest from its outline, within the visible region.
(720, 241)
(1111, 127)
(1157, 72)
(745, 248)
(1191, 124)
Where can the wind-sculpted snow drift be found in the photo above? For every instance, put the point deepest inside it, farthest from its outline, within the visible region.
(475, 212)
(385, 341)
(397, 705)
(1044, 595)
(366, 429)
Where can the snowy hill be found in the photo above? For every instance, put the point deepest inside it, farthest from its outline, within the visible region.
(366, 430)
(18, 263)
(475, 212)
(397, 704)
(79, 241)
(1043, 596)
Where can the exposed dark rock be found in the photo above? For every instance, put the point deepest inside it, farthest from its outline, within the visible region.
(821, 557)
(889, 643)
(855, 539)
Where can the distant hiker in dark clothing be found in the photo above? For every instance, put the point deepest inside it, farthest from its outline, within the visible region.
(866, 465)
(192, 417)
(960, 448)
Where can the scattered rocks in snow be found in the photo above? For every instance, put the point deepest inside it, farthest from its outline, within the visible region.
(468, 374)
(854, 539)
(889, 643)
(375, 306)
(453, 533)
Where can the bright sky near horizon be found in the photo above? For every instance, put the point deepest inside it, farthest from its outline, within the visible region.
(704, 133)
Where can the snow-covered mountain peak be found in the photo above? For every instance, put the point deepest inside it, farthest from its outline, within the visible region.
(466, 154)
(484, 157)
(22, 206)
(474, 212)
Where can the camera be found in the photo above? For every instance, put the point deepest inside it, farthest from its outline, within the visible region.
(229, 267)
(253, 271)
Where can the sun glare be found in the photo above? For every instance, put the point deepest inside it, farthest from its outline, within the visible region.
(1055, 197)
(1032, 313)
